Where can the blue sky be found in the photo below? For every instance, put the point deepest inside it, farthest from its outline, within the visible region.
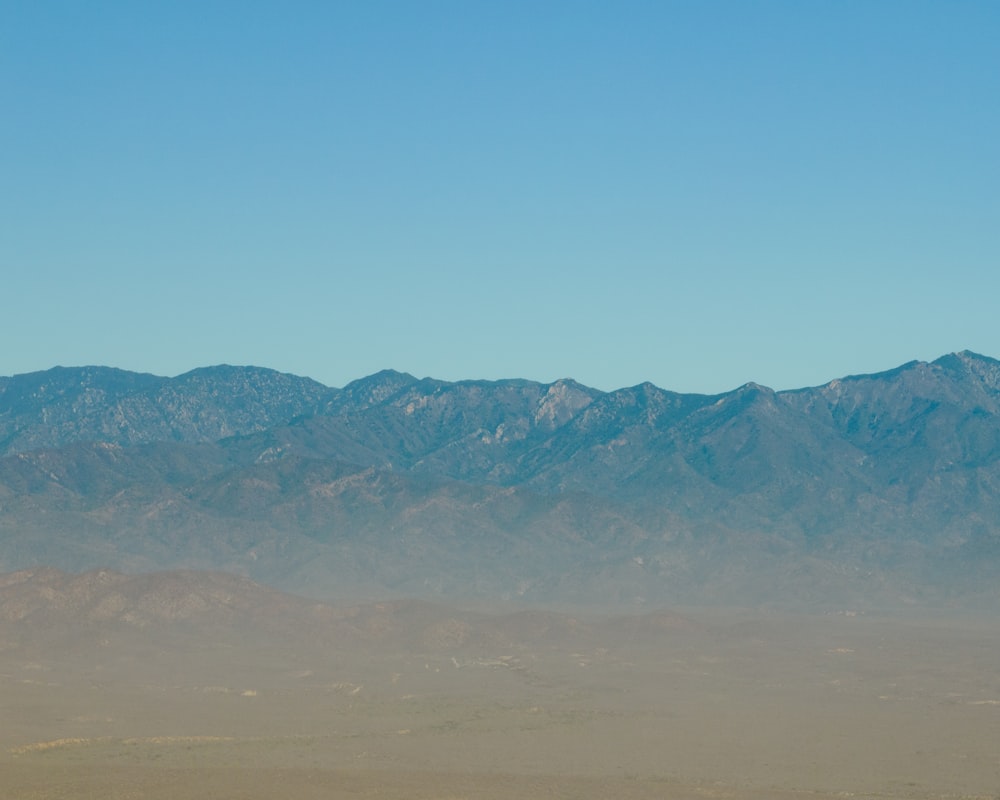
(697, 193)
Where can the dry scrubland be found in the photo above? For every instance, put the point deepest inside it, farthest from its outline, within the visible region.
(692, 705)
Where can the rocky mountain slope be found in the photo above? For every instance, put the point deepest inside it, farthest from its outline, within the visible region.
(64, 405)
(870, 489)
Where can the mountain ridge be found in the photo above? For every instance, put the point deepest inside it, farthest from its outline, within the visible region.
(881, 487)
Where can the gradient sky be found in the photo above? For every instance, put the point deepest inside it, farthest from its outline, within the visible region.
(697, 194)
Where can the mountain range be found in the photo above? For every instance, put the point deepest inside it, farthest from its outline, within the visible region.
(871, 490)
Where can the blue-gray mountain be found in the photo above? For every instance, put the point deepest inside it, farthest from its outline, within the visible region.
(872, 489)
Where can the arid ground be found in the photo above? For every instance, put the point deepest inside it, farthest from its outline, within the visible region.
(429, 702)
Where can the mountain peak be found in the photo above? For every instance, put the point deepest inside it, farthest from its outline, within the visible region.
(391, 375)
(374, 388)
(983, 369)
(563, 400)
(966, 358)
(754, 388)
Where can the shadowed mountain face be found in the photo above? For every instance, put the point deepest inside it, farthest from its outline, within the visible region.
(872, 489)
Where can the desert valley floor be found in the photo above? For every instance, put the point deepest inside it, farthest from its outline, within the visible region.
(408, 700)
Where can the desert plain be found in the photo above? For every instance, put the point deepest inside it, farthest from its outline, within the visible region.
(413, 700)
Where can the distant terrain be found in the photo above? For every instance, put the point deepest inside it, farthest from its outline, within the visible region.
(199, 684)
(870, 491)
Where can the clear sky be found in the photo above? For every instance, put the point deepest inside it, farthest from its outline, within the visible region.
(697, 194)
